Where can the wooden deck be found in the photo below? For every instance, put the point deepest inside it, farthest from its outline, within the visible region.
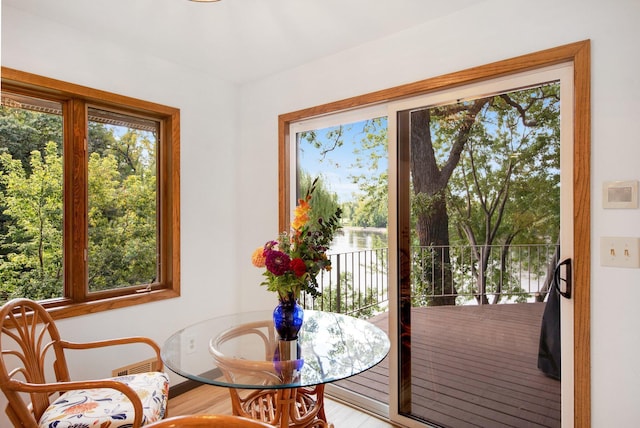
(473, 366)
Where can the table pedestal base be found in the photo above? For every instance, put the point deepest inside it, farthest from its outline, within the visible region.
(284, 408)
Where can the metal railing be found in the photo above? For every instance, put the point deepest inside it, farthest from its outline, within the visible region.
(358, 281)
(356, 284)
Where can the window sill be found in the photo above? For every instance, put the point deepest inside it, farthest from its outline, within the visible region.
(68, 310)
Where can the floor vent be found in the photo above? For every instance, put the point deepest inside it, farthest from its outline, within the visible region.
(149, 365)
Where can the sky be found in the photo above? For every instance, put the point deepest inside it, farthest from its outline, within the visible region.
(338, 164)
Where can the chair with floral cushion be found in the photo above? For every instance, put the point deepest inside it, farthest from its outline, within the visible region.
(35, 378)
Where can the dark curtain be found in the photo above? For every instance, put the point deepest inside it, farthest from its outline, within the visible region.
(549, 348)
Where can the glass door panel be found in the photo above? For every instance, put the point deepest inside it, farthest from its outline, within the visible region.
(348, 152)
(477, 233)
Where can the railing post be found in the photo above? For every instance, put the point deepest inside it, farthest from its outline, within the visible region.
(338, 291)
(482, 286)
(361, 276)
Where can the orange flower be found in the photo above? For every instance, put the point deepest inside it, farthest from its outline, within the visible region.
(258, 258)
(301, 215)
(294, 260)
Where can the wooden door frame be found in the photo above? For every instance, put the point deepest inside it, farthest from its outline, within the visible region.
(579, 54)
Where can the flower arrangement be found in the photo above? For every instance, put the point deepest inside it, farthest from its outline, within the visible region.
(293, 261)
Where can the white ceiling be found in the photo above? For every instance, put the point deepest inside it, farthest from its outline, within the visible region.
(240, 40)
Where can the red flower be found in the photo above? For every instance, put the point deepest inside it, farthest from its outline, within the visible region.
(277, 262)
(298, 267)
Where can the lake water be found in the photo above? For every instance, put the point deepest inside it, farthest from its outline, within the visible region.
(358, 238)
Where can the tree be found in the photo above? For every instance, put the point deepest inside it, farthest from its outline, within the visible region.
(324, 202)
(23, 131)
(122, 206)
(122, 199)
(32, 265)
(457, 153)
(371, 209)
(370, 204)
(507, 183)
(430, 176)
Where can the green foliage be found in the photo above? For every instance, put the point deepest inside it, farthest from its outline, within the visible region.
(23, 131)
(506, 187)
(505, 190)
(122, 206)
(324, 202)
(359, 303)
(371, 209)
(370, 206)
(120, 209)
(32, 247)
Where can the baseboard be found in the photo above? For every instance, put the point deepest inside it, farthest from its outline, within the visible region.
(190, 384)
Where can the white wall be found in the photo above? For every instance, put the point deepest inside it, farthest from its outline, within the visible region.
(209, 123)
(229, 154)
(493, 30)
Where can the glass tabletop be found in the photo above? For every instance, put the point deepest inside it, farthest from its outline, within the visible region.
(243, 351)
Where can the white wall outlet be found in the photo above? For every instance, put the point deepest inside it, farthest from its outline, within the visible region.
(620, 252)
(190, 344)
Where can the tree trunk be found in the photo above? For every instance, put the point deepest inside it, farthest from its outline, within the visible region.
(433, 231)
(432, 220)
(429, 186)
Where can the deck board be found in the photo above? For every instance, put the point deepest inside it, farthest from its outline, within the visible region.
(472, 366)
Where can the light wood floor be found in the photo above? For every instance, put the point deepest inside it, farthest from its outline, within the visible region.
(212, 399)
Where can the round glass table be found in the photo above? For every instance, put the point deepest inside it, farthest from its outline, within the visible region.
(276, 381)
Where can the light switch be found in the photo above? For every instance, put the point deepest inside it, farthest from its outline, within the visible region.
(620, 252)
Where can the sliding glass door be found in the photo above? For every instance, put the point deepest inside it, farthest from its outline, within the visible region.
(481, 211)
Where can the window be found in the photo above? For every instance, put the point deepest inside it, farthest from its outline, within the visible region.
(89, 196)
(347, 150)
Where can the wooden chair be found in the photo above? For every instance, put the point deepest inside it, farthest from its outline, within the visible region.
(35, 378)
(291, 407)
(205, 421)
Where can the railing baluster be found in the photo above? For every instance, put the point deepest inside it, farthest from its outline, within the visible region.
(364, 273)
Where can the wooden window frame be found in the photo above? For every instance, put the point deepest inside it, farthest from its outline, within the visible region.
(75, 100)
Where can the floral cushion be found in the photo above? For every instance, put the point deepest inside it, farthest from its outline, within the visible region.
(108, 408)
